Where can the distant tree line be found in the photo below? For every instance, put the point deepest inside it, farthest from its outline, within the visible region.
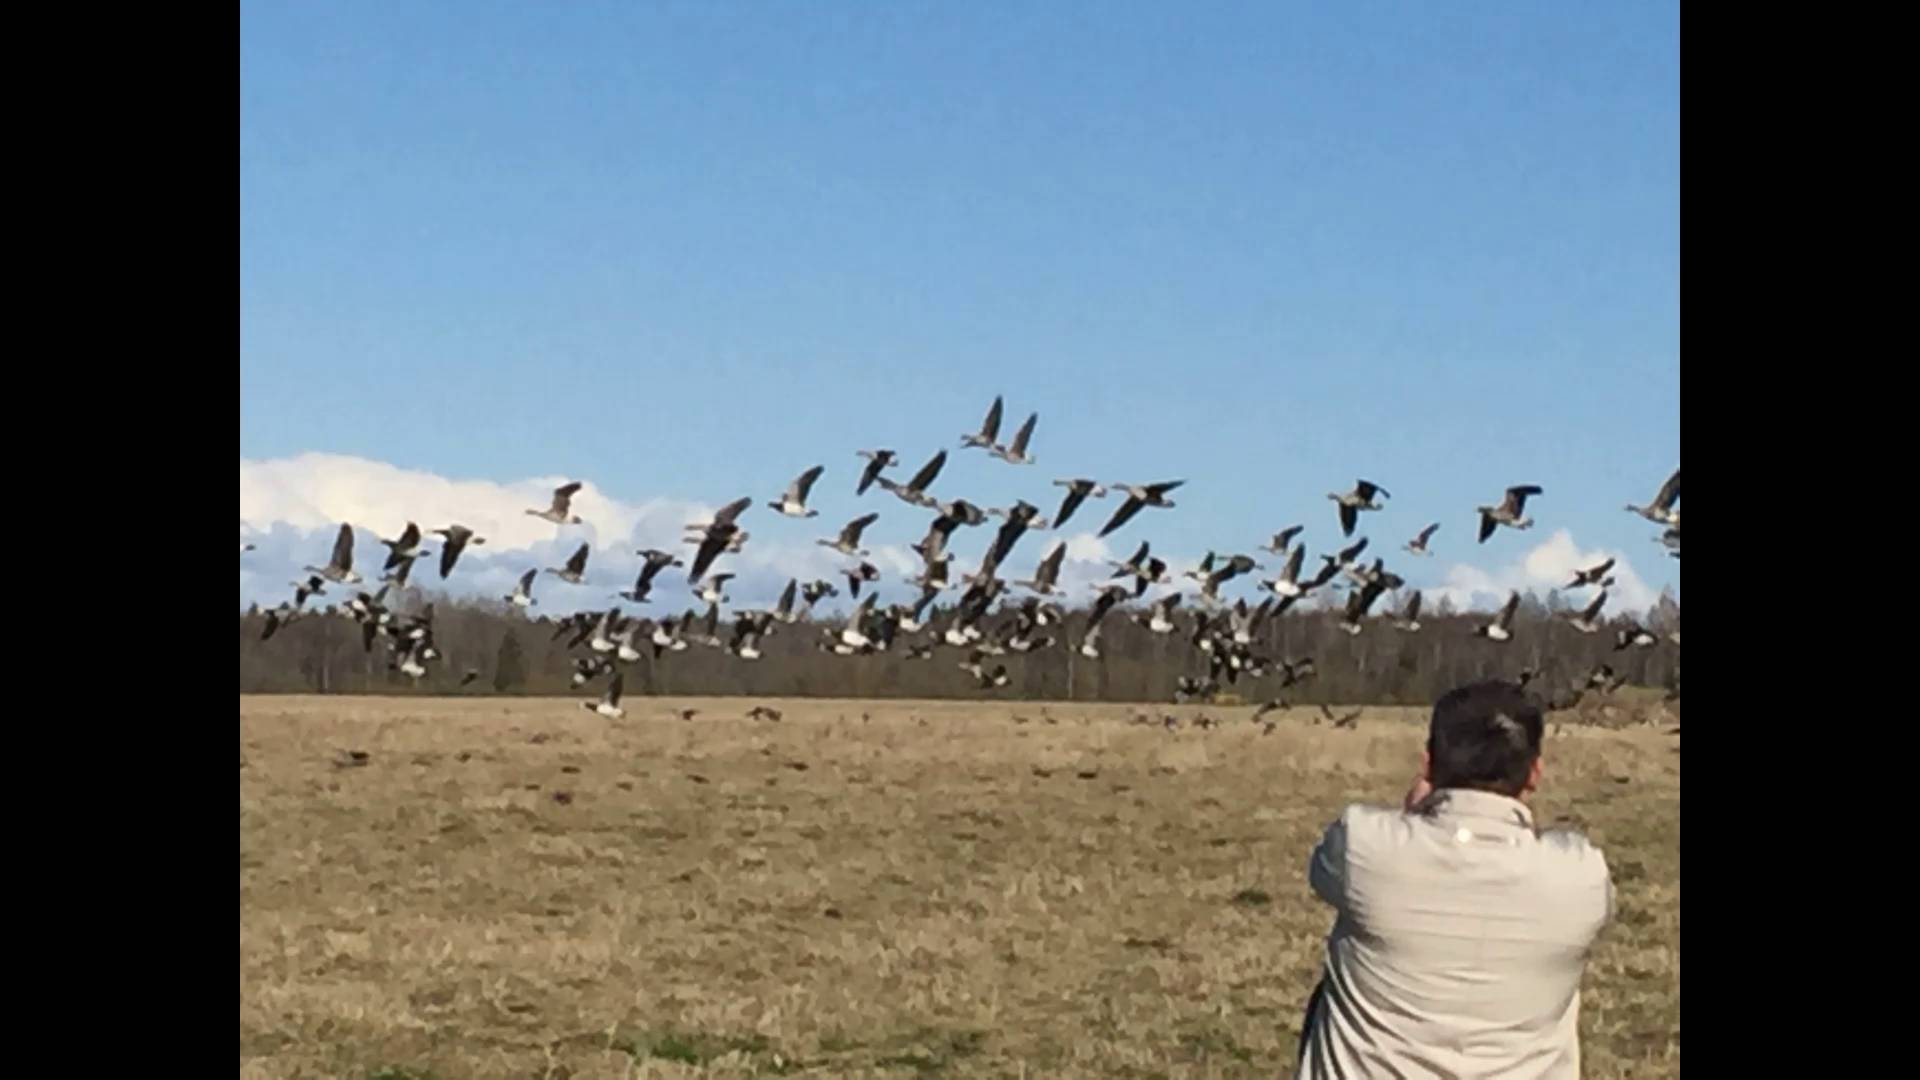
(487, 648)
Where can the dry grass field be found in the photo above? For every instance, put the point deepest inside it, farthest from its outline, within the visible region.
(518, 888)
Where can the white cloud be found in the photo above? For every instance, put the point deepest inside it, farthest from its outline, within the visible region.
(1548, 565)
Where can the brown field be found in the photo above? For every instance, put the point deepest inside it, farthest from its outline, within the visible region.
(520, 888)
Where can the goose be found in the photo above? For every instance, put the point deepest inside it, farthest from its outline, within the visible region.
(522, 595)
(712, 589)
(411, 661)
(989, 434)
(339, 568)
(1288, 583)
(1633, 634)
(934, 577)
(1143, 570)
(747, 631)
(405, 549)
(1048, 572)
(1282, 539)
(397, 576)
(1327, 573)
(910, 618)
(1077, 492)
(1241, 620)
(1660, 511)
(1137, 497)
(642, 588)
(848, 542)
(1602, 678)
(1594, 576)
(588, 668)
(623, 642)
(575, 572)
(764, 712)
(1346, 556)
(1159, 617)
(726, 515)
(470, 676)
(1358, 603)
(1671, 538)
(277, 618)
(794, 502)
(1019, 519)
(1188, 688)
(720, 537)
(1199, 573)
(1270, 705)
(815, 591)
(1351, 719)
(915, 490)
(1418, 545)
(1352, 502)
(1511, 512)
(609, 706)
(244, 548)
(783, 611)
(1501, 628)
(1090, 641)
(599, 641)
(996, 678)
(854, 633)
(1016, 454)
(1294, 672)
(458, 537)
(709, 627)
(1232, 568)
(876, 461)
(562, 500)
(313, 586)
(668, 636)
(866, 571)
(1587, 620)
(1410, 619)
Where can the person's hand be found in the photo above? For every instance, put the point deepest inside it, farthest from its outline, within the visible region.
(1418, 792)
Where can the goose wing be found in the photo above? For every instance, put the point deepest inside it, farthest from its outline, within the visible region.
(802, 485)
(927, 472)
(1349, 517)
(732, 510)
(1123, 515)
(1669, 492)
(578, 564)
(990, 427)
(1517, 496)
(851, 534)
(1025, 433)
(343, 549)
(563, 498)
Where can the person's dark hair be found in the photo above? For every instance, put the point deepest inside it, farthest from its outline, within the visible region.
(1484, 736)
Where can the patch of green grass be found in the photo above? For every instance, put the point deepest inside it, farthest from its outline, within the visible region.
(400, 1072)
(935, 1051)
(699, 1048)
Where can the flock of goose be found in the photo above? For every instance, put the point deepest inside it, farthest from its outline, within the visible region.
(1224, 634)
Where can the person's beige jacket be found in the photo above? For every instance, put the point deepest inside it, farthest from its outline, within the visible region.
(1459, 943)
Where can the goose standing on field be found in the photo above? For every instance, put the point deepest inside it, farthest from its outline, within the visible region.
(609, 706)
(1016, 454)
(848, 542)
(522, 595)
(1501, 628)
(339, 568)
(562, 501)
(989, 434)
(575, 572)
(1594, 576)
(794, 502)
(1587, 620)
(1660, 511)
(1352, 502)
(877, 460)
(1418, 545)
(1077, 492)
(457, 537)
(915, 490)
(1283, 540)
(1137, 497)
(1511, 512)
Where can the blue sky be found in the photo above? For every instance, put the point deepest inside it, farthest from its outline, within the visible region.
(683, 251)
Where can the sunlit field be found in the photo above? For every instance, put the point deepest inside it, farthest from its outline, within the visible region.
(515, 887)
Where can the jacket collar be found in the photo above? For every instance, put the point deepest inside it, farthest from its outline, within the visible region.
(1468, 804)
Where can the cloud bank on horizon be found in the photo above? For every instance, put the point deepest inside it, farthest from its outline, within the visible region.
(291, 507)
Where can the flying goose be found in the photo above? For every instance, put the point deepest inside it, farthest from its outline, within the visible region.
(719, 537)
(1048, 572)
(1595, 576)
(398, 575)
(1358, 603)
(1288, 583)
(848, 542)
(1410, 620)
(1587, 621)
(854, 632)
(277, 618)
(1352, 502)
(1660, 511)
(748, 629)
(313, 586)
(784, 611)
(915, 490)
(794, 502)
(339, 568)
(562, 500)
(1077, 492)
(866, 571)
(815, 591)
(1143, 570)
(1418, 545)
(1137, 497)
(458, 537)
(1501, 628)
(1159, 617)
(1016, 454)
(1293, 672)
(994, 679)
(989, 434)
(405, 549)
(609, 706)
(588, 668)
(909, 618)
(1279, 544)
(1511, 512)
(575, 572)
(244, 548)
(934, 577)
(1232, 568)
(1019, 518)
(623, 641)
(1634, 634)
(1199, 573)
(522, 595)
(668, 636)
(726, 515)
(712, 589)
(876, 461)
(1671, 538)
